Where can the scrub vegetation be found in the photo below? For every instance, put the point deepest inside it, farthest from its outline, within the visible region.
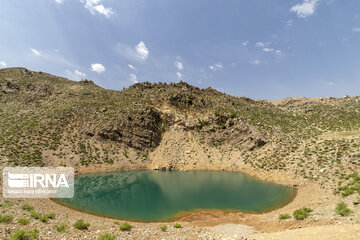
(342, 209)
(23, 221)
(25, 234)
(61, 227)
(284, 216)
(125, 227)
(6, 218)
(302, 213)
(106, 236)
(81, 224)
(177, 225)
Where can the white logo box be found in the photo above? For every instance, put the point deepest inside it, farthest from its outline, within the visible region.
(38, 182)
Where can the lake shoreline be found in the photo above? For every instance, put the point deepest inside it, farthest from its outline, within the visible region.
(184, 214)
(309, 194)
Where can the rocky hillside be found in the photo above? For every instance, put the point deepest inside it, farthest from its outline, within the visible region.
(50, 121)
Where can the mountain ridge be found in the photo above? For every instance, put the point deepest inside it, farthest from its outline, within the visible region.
(48, 120)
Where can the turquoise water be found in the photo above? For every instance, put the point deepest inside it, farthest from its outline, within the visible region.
(160, 195)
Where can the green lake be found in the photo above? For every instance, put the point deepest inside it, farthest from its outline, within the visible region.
(161, 195)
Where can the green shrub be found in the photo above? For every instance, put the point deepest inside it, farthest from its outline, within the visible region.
(302, 213)
(61, 227)
(6, 204)
(308, 210)
(177, 225)
(43, 219)
(81, 225)
(24, 221)
(35, 215)
(125, 227)
(50, 215)
(27, 207)
(163, 228)
(342, 209)
(106, 236)
(25, 234)
(284, 216)
(6, 219)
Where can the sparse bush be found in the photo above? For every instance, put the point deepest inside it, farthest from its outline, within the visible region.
(6, 204)
(25, 234)
(106, 236)
(302, 213)
(27, 207)
(163, 228)
(24, 221)
(81, 224)
(308, 210)
(342, 209)
(35, 215)
(177, 225)
(6, 219)
(50, 215)
(284, 216)
(125, 227)
(43, 219)
(61, 228)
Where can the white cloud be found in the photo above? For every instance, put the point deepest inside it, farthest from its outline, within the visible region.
(216, 67)
(142, 50)
(179, 65)
(137, 53)
(97, 67)
(245, 43)
(102, 10)
(262, 44)
(132, 67)
(80, 74)
(331, 83)
(268, 49)
(179, 75)
(35, 52)
(133, 78)
(356, 29)
(75, 75)
(96, 6)
(256, 62)
(305, 9)
(59, 1)
(278, 52)
(3, 63)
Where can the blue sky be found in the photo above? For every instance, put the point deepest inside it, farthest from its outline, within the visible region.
(255, 48)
